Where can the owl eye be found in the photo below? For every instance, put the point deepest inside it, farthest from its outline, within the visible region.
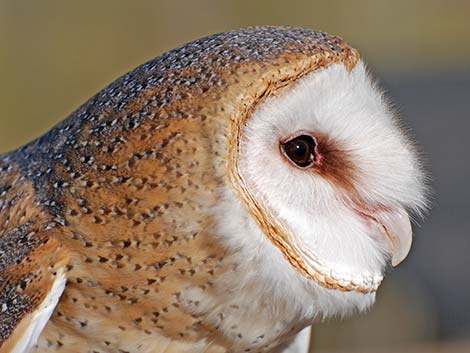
(300, 150)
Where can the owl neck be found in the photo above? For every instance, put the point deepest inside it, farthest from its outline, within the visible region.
(187, 291)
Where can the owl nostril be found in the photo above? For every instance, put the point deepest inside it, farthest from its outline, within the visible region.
(300, 150)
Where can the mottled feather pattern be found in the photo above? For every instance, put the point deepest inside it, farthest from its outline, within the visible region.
(121, 194)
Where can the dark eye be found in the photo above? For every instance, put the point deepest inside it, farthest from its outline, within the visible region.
(300, 150)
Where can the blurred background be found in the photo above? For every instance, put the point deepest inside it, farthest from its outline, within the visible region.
(56, 54)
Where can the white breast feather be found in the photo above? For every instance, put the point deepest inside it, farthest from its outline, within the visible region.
(41, 315)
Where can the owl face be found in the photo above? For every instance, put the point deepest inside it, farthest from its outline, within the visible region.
(332, 178)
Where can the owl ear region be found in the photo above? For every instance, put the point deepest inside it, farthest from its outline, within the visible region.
(396, 227)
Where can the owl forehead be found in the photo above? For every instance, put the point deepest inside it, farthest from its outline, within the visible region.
(330, 100)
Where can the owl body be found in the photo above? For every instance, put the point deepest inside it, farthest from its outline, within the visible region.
(160, 216)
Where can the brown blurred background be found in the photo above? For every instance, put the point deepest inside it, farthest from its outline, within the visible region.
(56, 54)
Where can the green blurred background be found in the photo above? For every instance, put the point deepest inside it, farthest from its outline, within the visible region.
(56, 54)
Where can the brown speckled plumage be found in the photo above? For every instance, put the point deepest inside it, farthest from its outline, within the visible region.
(120, 194)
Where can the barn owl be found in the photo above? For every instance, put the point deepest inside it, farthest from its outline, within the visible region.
(219, 198)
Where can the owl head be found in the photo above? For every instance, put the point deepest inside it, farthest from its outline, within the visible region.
(323, 178)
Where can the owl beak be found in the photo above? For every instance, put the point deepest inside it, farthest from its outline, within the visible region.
(396, 227)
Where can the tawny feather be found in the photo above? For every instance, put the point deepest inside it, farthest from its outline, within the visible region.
(141, 196)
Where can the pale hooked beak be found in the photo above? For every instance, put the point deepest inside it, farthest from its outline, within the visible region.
(396, 227)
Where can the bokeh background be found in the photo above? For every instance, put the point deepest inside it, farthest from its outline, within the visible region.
(56, 54)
